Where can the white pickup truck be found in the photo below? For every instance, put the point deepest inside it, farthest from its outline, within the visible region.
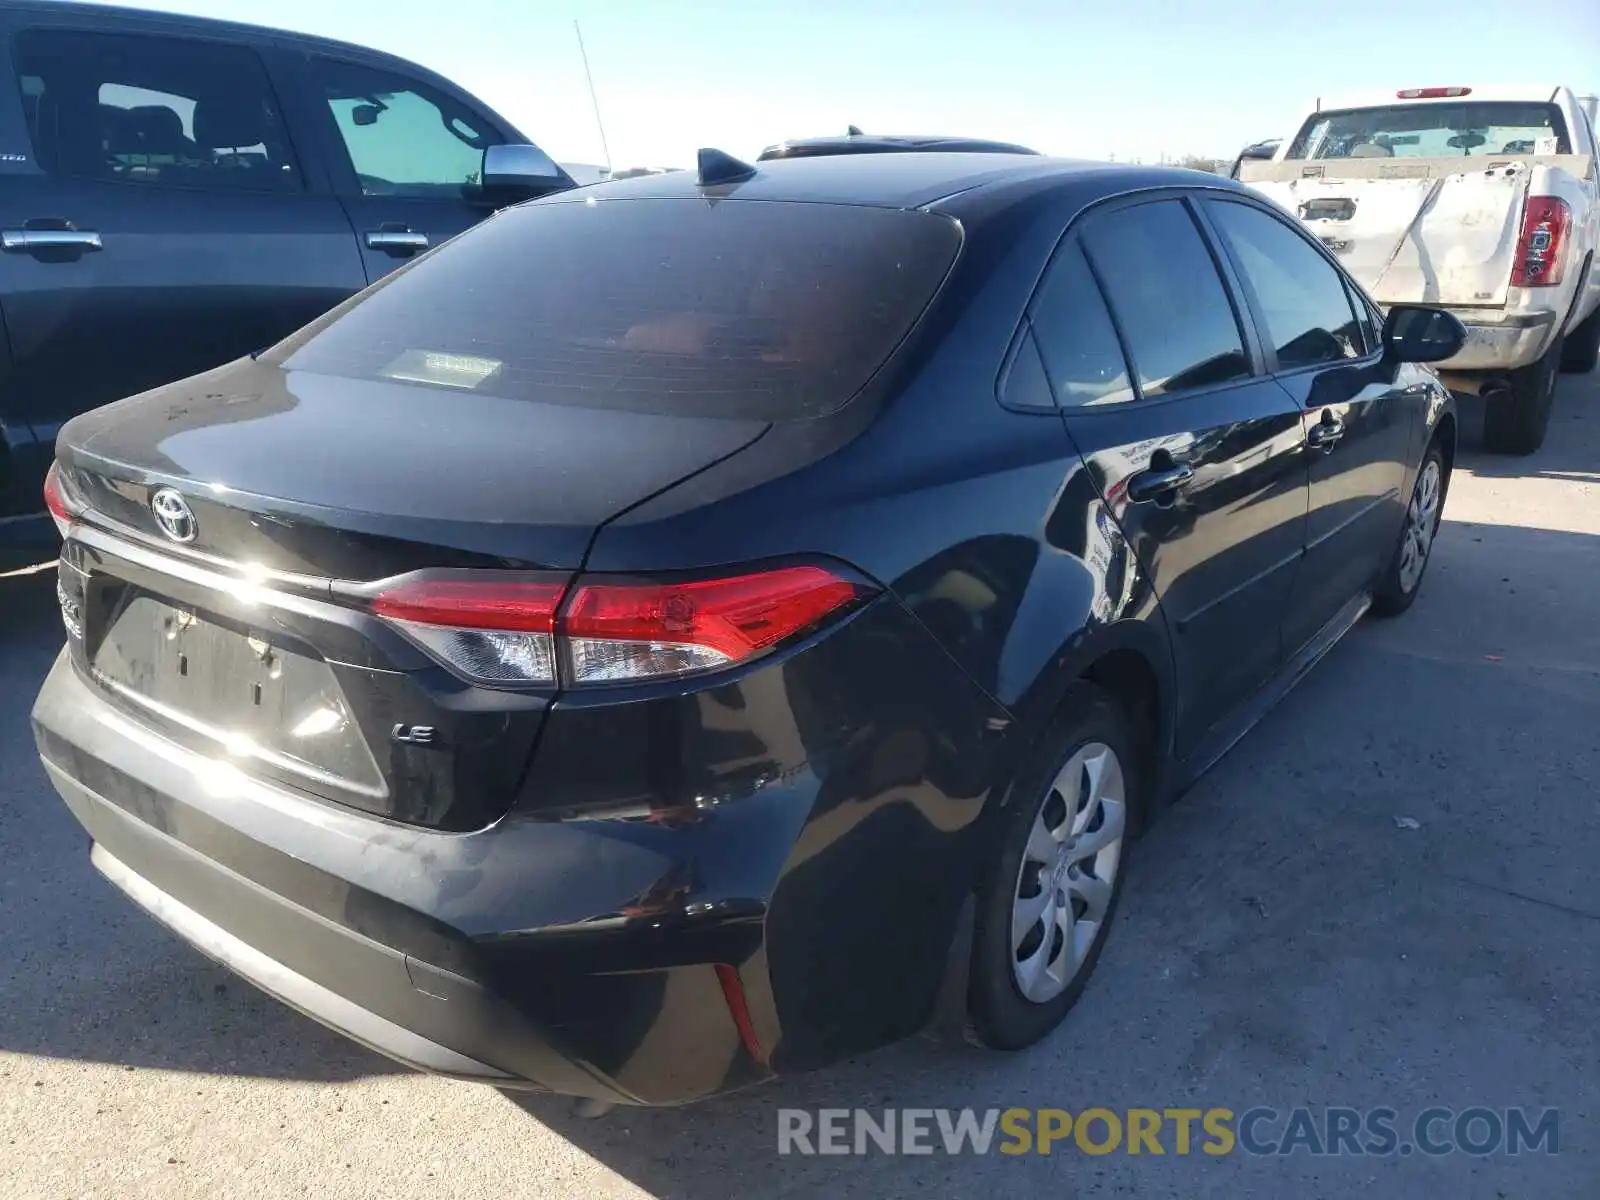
(1485, 201)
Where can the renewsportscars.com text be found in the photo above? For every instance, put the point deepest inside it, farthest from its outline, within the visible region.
(1181, 1131)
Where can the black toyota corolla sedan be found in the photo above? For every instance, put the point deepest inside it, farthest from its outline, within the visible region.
(691, 629)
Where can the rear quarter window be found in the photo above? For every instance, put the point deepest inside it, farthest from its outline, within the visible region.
(764, 310)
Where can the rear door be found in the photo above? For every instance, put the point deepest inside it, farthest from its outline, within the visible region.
(1196, 451)
(1362, 417)
(405, 152)
(169, 225)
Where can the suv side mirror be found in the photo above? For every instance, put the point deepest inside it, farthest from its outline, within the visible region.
(1415, 333)
(521, 171)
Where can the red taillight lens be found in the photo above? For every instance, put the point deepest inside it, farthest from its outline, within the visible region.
(496, 631)
(508, 631)
(511, 605)
(63, 511)
(1546, 221)
(1433, 93)
(639, 630)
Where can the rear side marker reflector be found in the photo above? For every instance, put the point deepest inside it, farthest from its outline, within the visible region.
(739, 1010)
(499, 630)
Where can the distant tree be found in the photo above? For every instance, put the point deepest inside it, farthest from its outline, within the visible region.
(1195, 162)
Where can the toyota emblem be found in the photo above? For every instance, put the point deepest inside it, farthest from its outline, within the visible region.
(173, 514)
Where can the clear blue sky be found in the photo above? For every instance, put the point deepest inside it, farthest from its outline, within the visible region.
(1137, 78)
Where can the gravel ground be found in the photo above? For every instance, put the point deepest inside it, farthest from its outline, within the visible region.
(1284, 942)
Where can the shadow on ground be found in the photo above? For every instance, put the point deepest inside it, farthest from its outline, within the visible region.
(84, 974)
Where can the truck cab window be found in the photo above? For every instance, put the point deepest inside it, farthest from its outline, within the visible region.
(152, 111)
(404, 138)
(1434, 130)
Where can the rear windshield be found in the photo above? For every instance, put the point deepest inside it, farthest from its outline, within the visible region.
(724, 308)
(1434, 130)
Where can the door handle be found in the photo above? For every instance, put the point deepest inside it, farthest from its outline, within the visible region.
(1158, 483)
(1325, 434)
(31, 241)
(396, 241)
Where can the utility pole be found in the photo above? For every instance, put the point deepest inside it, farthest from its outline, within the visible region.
(594, 99)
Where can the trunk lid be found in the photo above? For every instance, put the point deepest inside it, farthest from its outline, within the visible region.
(360, 479)
(250, 644)
(1415, 230)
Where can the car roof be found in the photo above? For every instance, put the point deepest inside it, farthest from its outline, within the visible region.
(887, 143)
(918, 179)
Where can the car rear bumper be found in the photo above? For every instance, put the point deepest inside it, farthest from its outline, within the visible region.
(424, 946)
(634, 955)
(1499, 344)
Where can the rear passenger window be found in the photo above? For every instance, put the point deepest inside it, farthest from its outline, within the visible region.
(1168, 299)
(1302, 297)
(1075, 336)
(151, 110)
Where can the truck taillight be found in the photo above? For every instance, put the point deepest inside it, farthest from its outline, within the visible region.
(517, 630)
(1546, 221)
(1433, 93)
(64, 510)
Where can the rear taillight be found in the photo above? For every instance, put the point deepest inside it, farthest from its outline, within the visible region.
(500, 630)
(64, 510)
(1546, 222)
(492, 630)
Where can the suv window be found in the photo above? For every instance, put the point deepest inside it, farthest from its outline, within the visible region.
(152, 110)
(1075, 336)
(1168, 299)
(760, 309)
(403, 137)
(1304, 306)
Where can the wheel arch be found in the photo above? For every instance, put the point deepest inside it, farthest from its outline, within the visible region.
(1129, 660)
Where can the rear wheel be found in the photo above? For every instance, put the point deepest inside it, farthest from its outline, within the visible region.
(1515, 419)
(1410, 562)
(1047, 902)
(1582, 351)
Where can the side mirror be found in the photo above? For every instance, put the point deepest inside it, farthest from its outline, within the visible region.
(1414, 333)
(521, 171)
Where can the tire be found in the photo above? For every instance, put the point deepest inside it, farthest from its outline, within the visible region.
(1515, 420)
(1402, 580)
(1087, 753)
(1582, 352)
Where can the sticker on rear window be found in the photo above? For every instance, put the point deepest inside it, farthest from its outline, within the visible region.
(442, 370)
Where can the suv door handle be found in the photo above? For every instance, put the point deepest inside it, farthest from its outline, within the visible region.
(1158, 483)
(1325, 434)
(31, 241)
(399, 240)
